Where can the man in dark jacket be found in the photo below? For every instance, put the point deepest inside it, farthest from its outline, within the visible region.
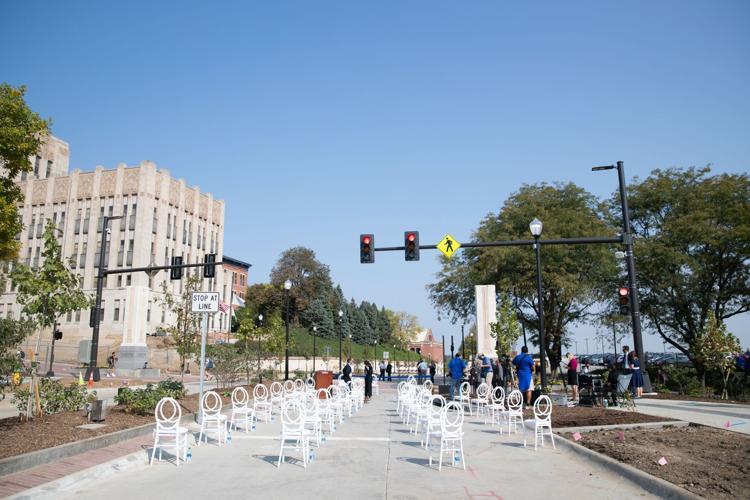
(388, 370)
(347, 371)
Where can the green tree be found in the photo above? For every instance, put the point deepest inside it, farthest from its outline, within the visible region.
(405, 328)
(507, 330)
(22, 132)
(186, 330)
(715, 348)
(310, 279)
(319, 314)
(574, 277)
(12, 333)
(693, 248)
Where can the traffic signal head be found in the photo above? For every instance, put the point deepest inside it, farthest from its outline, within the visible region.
(210, 270)
(623, 294)
(366, 248)
(176, 272)
(411, 245)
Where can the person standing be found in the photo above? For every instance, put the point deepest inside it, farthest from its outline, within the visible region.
(433, 370)
(368, 381)
(486, 369)
(381, 368)
(456, 367)
(389, 370)
(421, 370)
(637, 379)
(347, 371)
(573, 374)
(626, 358)
(524, 367)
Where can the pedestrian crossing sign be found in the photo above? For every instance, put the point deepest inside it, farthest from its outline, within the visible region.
(448, 245)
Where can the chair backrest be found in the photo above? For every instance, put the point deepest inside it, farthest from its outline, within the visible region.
(260, 392)
(498, 396)
(292, 415)
(451, 418)
(310, 382)
(543, 408)
(276, 389)
(240, 397)
(323, 394)
(465, 389)
(312, 404)
(288, 386)
(211, 403)
(483, 391)
(515, 400)
(168, 414)
(428, 384)
(437, 403)
(299, 384)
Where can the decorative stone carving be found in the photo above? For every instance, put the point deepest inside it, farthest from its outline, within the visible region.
(190, 200)
(60, 190)
(39, 193)
(108, 183)
(130, 181)
(203, 213)
(85, 185)
(174, 193)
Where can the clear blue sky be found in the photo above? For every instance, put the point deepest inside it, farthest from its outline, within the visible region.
(317, 121)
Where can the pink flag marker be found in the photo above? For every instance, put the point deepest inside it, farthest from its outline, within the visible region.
(727, 424)
(577, 436)
(621, 436)
(662, 461)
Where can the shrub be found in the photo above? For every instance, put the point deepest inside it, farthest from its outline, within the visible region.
(144, 401)
(54, 396)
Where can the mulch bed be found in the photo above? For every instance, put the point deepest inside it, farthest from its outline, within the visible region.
(712, 463)
(705, 399)
(581, 416)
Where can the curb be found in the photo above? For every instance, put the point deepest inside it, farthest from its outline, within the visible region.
(652, 484)
(643, 425)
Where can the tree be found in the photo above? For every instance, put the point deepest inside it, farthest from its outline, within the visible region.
(405, 328)
(507, 330)
(310, 278)
(263, 298)
(693, 248)
(260, 340)
(22, 132)
(185, 331)
(574, 277)
(319, 314)
(12, 333)
(715, 348)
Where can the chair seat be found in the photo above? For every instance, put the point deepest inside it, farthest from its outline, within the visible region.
(171, 432)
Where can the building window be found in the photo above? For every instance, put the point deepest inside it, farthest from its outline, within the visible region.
(31, 226)
(69, 317)
(49, 168)
(116, 316)
(36, 257)
(121, 253)
(77, 229)
(101, 312)
(82, 260)
(169, 225)
(39, 226)
(61, 224)
(131, 223)
(128, 280)
(154, 223)
(130, 252)
(78, 316)
(148, 313)
(36, 166)
(119, 281)
(124, 217)
(86, 221)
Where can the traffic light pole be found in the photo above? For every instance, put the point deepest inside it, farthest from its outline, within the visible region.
(51, 372)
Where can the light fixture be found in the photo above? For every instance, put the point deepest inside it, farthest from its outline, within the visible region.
(341, 313)
(287, 285)
(536, 227)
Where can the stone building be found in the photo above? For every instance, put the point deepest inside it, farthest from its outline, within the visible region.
(163, 217)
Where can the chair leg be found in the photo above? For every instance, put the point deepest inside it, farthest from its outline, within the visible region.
(153, 451)
(463, 460)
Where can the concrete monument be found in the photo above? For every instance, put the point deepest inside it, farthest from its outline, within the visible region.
(486, 315)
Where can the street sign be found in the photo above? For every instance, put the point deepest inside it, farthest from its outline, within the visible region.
(205, 302)
(385, 354)
(448, 245)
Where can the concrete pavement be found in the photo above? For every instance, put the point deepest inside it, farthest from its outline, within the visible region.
(371, 455)
(699, 412)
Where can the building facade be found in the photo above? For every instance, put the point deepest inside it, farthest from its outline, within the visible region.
(162, 218)
(426, 345)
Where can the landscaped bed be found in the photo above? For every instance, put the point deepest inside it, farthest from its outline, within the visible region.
(682, 397)
(712, 463)
(582, 416)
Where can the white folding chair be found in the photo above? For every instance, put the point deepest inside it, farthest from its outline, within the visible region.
(496, 406)
(542, 420)
(241, 412)
(482, 398)
(432, 418)
(293, 435)
(261, 404)
(168, 415)
(451, 434)
(464, 396)
(327, 412)
(277, 396)
(212, 418)
(313, 420)
(514, 414)
(289, 387)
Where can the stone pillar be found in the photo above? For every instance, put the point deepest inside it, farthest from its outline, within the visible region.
(133, 353)
(486, 315)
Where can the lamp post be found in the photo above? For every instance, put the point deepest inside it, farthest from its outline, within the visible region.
(463, 343)
(93, 369)
(260, 368)
(341, 334)
(587, 346)
(536, 230)
(314, 334)
(443, 356)
(395, 360)
(287, 287)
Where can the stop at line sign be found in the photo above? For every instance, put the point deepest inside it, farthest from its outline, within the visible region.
(205, 302)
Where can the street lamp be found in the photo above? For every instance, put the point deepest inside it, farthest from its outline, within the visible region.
(287, 287)
(260, 369)
(314, 334)
(341, 334)
(93, 370)
(536, 230)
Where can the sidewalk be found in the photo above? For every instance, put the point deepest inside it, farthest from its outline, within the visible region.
(699, 412)
(371, 455)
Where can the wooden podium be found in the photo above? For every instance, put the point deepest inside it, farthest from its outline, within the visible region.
(323, 379)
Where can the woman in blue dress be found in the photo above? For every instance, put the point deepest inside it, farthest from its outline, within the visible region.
(637, 381)
(524, 367)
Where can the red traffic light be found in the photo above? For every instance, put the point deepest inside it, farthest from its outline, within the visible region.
(366, 240)
(411, 237)
(623, 291)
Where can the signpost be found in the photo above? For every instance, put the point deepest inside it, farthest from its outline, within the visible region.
(386, 354)
(448, 245)
(206, 303)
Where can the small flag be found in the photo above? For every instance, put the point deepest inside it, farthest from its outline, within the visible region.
(223, 307)
(621, 436)
(577, 436)
(727, 424)
(662, 461)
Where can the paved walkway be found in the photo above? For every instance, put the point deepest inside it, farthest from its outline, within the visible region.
(371, 455)
(699, 412)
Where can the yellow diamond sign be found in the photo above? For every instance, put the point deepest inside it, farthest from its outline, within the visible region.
(448, 245)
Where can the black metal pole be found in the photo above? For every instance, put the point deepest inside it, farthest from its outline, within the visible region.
(51, 372)
(452, 348)
(443, 356)
(260, 368)
(635, 312)
(341, 335)
(93, 369)
(540, 305)
(314, 350)
(463, 343)
(286, 347)
(614, 341)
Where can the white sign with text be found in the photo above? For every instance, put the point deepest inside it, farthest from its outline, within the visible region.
(205, 302)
